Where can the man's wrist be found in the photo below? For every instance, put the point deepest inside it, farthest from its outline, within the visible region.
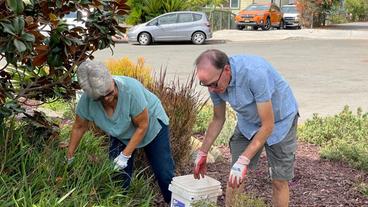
(243, 160)
(202, 152)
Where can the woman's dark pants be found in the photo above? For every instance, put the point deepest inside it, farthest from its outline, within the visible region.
(158, 153)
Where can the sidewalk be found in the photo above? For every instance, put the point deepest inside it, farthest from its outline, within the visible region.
(251, 35)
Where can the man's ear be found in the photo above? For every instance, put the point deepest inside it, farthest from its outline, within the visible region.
(227, 67)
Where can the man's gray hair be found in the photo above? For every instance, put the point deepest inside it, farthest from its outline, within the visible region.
(216, 57)
(94, 78)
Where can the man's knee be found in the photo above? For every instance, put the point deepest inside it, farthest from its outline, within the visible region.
(280, 185)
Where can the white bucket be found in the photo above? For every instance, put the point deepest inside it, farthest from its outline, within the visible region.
(186, 190)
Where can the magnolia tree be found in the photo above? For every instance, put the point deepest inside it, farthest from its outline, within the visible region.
(39, 51)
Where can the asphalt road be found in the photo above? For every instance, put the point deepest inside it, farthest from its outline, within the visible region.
(325, 75)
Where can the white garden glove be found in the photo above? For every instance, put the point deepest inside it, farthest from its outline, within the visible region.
(238, 172)
(69, 161)
(121, 161)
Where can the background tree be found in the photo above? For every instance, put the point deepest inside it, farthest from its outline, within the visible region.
(145, 10)
(358, 9)
(314, 12)
(41, 52)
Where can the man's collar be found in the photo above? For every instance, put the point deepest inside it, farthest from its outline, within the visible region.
(232, 77)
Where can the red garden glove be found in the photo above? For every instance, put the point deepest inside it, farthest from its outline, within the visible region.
(238, 172)
(200, 162)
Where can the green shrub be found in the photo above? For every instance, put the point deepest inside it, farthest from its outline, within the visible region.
(39, 176)
(341, 137)
(204, 117)
(66, 108)
(245, 200)
(338, 19)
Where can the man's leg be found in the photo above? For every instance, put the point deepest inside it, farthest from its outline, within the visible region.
(280, 193)
(159, 155)
(281, 158)
(237, 144)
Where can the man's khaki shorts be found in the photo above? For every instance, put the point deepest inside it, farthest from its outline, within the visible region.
(280, 156)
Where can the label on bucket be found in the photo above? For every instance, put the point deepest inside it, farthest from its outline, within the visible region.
(177, 203)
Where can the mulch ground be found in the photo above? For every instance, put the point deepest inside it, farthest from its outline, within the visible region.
(317, 182)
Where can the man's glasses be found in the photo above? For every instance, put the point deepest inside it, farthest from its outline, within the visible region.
(213, 84)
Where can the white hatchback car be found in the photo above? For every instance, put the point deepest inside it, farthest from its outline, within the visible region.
(291, 16)
(173, 26)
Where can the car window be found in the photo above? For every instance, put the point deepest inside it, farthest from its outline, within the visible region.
(255, 7)
(167, 19)
(71, 15)
(153, 22)
(197, 17)
(289, 9)
(187, 17)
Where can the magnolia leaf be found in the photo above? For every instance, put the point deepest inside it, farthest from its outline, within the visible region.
(39, 59)
(8, 28)
(18, 24)
(59, 3)
(28, 37)
(16, 6)
(21, 47)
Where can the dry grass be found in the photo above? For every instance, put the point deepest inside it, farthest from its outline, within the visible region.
(181, 103)
(180, 100)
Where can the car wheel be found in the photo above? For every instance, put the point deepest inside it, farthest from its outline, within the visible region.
(267, 25)
(144, 38)
(281, 26)
(198, 38)
(240, 27)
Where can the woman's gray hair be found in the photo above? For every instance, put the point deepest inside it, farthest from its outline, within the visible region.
(94, 78)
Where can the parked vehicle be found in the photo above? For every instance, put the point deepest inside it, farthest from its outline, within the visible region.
(291, 16)
(262, 15)
(73, 20)
(173, 26)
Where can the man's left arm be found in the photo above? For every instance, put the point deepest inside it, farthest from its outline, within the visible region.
(265, 113)
(239, 169)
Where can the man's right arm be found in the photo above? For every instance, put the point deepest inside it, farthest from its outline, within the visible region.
(215, 126)
(80, 126)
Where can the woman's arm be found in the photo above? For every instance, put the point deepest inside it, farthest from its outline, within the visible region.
(80, 126)
(141, 122)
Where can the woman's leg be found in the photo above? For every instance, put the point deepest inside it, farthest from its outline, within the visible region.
(159, 155)
(125, 176)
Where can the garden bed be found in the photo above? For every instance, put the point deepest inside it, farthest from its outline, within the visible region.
(317, 182)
